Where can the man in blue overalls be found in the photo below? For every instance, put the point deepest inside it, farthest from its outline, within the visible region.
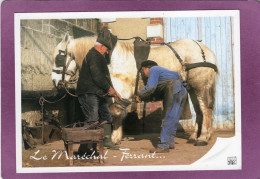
(166, 85)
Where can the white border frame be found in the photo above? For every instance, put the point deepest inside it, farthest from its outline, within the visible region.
(229, 146)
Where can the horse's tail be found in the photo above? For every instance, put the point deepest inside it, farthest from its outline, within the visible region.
(216, 63)
(213, 86)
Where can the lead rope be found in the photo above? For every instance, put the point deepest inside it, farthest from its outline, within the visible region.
(67, 91)
(41, 102)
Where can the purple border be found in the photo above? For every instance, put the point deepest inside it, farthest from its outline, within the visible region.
(250, 53)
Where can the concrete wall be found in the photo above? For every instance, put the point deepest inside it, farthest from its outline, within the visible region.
(38, 40)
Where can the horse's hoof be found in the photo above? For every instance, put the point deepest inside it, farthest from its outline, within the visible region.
(191, 141)
(200, 143)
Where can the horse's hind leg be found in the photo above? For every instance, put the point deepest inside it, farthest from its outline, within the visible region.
(203, 125)
(199, 116)
(206, 128)
(202, 92)
(206, 108)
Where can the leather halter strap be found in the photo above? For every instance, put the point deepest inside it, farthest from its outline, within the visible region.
(175, 53)
(187, 66)
(65, 71)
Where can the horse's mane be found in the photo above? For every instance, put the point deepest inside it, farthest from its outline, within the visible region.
(126, 46)
(79, 47)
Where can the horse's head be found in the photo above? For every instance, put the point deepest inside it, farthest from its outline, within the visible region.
(64, 67)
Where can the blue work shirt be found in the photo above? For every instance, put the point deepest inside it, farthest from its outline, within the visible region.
(159, 76)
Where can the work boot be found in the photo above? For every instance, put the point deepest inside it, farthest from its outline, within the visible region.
(107, 138)
(171, 146)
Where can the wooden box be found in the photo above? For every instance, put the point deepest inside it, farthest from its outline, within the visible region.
(79, 134)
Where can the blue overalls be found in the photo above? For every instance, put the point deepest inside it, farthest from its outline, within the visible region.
(166, 85)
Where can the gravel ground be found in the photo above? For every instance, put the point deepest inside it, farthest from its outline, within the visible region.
(134, 151)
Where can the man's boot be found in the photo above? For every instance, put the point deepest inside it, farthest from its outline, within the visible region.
(107, 138)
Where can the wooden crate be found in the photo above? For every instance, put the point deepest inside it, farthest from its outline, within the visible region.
(78, 134)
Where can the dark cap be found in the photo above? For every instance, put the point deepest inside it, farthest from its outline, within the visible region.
(104, 38)
(148, 64)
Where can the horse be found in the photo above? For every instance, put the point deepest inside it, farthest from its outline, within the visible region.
(123, 70)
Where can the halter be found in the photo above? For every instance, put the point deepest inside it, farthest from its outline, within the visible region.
(63, 54)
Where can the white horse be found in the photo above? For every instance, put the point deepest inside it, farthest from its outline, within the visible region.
(123, 70)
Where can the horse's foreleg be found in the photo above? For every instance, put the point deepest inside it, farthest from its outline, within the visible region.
(117, 133)
(118, 116)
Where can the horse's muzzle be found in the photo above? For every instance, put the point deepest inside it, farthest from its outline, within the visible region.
(58, 85)
(55, 83)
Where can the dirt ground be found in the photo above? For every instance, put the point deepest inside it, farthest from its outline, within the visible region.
(134, 150)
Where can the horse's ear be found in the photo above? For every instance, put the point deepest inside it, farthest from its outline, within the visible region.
(67, 38)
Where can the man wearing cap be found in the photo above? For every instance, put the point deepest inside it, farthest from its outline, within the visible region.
(166, 85)
(94, 85)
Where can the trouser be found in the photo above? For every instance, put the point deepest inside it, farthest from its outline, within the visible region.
(94, 108)
(172, 108)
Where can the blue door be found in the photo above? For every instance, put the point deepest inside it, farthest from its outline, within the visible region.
(216, 33)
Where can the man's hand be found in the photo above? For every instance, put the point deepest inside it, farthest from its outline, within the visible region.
(118, 96)
(113, 92)
(137, 99)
